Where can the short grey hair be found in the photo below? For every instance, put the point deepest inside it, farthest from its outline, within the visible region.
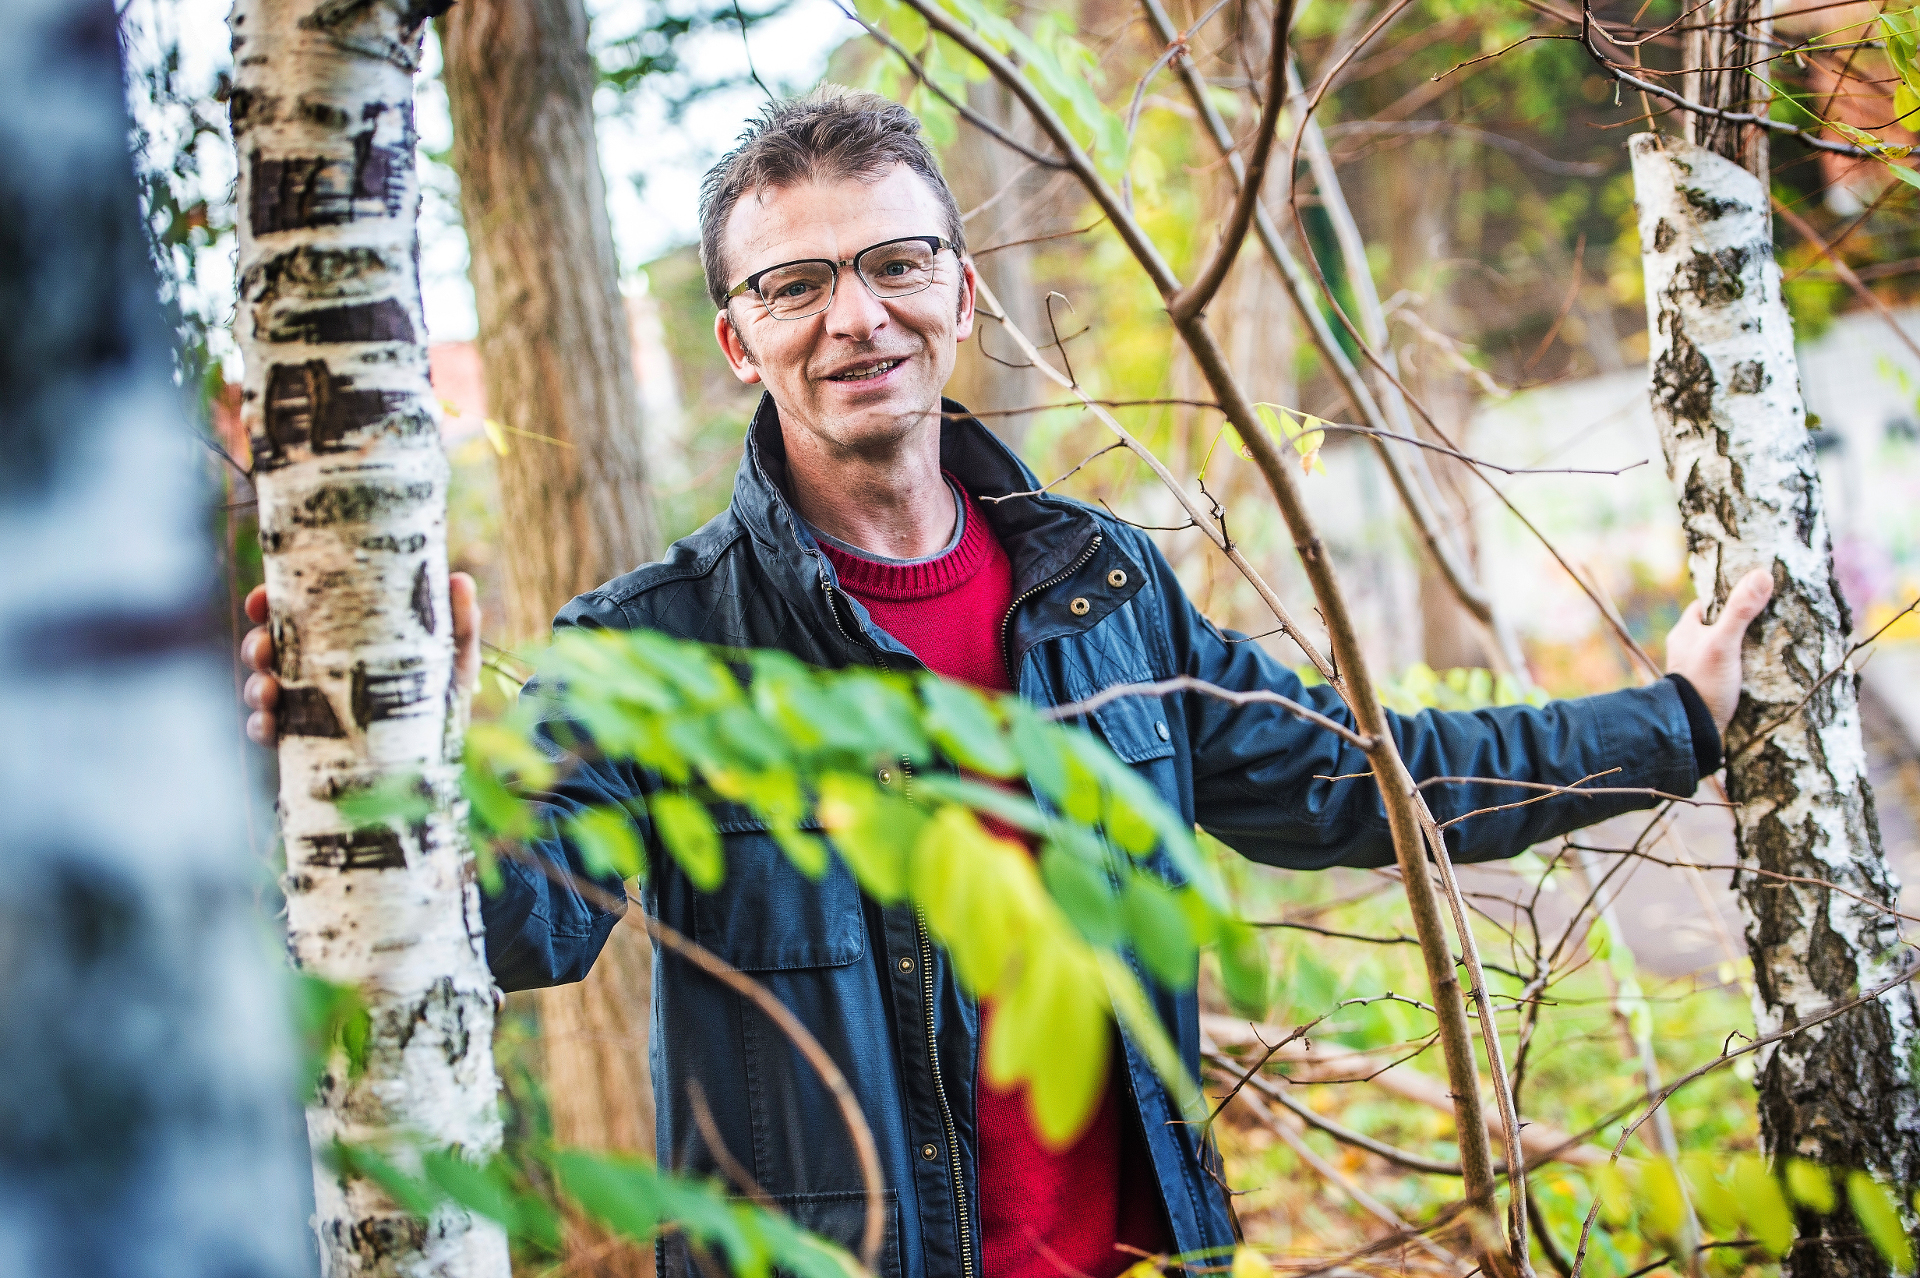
(832, 133)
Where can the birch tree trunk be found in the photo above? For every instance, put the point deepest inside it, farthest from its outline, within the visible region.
(1726, 395)
(352, 484)
(558, 358)
(146, 1124)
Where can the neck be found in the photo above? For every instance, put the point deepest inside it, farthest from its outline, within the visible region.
(890, 501)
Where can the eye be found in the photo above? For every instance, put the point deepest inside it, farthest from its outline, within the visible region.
(790, 290)
(896, 267)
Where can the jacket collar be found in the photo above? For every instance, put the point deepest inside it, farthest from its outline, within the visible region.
(1041, 534)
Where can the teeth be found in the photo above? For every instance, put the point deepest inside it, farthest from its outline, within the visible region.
(869, 374)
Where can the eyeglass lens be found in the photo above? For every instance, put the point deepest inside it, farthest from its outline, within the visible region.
(801, 289)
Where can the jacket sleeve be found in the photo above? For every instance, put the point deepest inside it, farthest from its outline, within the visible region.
(541, 928)
(1281, 791)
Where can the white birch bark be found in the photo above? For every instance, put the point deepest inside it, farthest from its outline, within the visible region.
(352, 483)
(147, 1122)
(1726, 395)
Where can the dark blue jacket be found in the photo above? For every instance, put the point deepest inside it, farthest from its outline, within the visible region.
(864, 979)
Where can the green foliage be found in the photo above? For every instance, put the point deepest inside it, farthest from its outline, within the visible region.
(636, 1199)
(1041, 938)
(1873, 1208)
(1810, 1185)
(333, 1020)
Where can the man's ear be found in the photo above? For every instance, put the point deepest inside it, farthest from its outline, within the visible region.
(734, 347)
(969, 282)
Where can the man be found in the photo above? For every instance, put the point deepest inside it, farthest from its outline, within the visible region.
(835, 254)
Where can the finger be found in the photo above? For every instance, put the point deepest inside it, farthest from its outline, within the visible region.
(262, 692)
(256, 649)
(257, 604)
(260, 728)
(1745, 601)
(464, 596)
(464, 599)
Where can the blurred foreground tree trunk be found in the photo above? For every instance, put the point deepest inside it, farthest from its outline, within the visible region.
(576, 511)
(1726, 395)
(353, 498)
(146, 1122)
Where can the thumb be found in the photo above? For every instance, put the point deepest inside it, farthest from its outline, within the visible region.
(1745, 602)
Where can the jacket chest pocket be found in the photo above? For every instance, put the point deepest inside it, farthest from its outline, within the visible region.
(1114, 653)
(767, 916)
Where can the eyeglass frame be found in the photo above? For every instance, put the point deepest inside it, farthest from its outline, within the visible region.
(751, 284)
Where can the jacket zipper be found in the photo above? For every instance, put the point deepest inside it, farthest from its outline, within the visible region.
(1006, 624)
(926, 1003)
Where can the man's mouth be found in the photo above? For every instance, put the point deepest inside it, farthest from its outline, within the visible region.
(867, 372)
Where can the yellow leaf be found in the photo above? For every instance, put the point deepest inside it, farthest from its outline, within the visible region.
(496, 435)
(1248, 1263)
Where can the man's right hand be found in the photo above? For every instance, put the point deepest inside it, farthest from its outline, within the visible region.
(262, 692)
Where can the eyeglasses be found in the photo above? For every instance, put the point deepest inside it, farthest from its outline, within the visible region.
(799, 290)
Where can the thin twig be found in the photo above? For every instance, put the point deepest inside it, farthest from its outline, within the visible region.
(1187, 683)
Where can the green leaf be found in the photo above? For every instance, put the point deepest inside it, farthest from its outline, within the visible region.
(607, 842)
(1810, 1185)
(873, 830)
(1010, 806)
(1615, 1194)
(333, 1017)
(1663, 1206)
(474, 1188)
(964, 725)
(1084, 894)
(1715, 1204)
(621, 1193)
(1157, 927)
(1763, 1206)
(415, 1196)
(498, 809)
(1245, 971)
(808, 852)
(1040, 747)
(687, 831)
(1051, 1030)
(1873, 1208)
(403, 797)
(509, 752)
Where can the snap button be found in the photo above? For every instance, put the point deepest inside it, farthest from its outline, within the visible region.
(886, 777)
(1116, 578)
(1080, 607)
(1161, 729)
(906, 965)
(929, 1153)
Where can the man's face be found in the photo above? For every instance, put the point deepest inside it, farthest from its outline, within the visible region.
(866, 372)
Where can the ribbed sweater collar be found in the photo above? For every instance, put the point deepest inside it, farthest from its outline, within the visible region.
(925, 580)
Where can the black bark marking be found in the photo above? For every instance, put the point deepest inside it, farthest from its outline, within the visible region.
(1708, 208)
(357, 503)
(1713, 279)
(385, 696)
(1750, 377)
(374, 848)
(383, 321)
(423, 598)
(308, 406)
(1664, 235)
(410, 544)
(299, 192)
(1683, 382)
(306, 712)
(310, 272)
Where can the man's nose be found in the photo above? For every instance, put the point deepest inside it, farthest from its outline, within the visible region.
(855, 313)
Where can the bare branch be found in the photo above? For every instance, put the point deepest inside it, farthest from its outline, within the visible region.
(1187, 683)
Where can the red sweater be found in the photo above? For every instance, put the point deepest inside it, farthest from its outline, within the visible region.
(1044, 1212)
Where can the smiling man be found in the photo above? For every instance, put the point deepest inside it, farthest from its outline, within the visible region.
(836, 258)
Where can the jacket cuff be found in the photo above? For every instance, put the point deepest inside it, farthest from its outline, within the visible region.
(1707, 750)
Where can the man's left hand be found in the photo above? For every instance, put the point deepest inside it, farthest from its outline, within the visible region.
(1708, 657)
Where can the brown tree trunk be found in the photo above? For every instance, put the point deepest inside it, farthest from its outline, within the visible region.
(575, 508)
